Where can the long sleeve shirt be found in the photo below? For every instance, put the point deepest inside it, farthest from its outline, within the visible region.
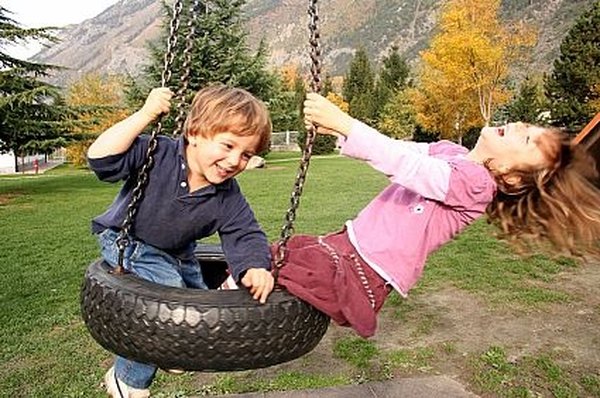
(171, 218)
(434, 193)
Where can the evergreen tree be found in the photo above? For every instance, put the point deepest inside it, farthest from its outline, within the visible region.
(299, 97)
(359, 87)
(286, 107)
(423, 135)
(219, 53)
(392, 78)
(398, 118)
(327, 86)
(33, 116)
(527, 105)
(570, 88)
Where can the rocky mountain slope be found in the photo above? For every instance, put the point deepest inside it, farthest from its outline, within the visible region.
(116, 40)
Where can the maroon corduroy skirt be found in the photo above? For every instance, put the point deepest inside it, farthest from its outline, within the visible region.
(329, 274)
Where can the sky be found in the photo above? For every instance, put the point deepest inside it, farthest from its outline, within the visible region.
(39, 13)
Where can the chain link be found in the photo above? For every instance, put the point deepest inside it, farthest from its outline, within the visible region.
(315, 55)
(182, 105)
(124, 240)
(287, 230)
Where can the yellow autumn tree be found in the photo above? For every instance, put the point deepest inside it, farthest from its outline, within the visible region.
(338, 100)
(444, 105)
(467, 66)
(289, 75)
(101, 100)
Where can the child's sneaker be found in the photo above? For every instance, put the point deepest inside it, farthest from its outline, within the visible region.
(175, 371)
(117, 389)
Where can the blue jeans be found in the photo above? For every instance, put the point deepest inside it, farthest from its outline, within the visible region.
(155, 265)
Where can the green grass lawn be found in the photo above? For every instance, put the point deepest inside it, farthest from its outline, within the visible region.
(281, 155)
(46, 245)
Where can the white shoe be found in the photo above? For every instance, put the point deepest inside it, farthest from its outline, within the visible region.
(117, 389)
(175, 371)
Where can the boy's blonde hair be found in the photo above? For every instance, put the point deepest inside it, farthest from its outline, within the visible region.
(218, 108)
(558, 204)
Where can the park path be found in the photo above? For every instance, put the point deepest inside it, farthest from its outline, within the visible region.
(414, 387)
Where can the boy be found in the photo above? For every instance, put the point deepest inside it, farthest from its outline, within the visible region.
(191, 195)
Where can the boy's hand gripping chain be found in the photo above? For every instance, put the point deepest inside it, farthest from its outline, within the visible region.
(124, 240)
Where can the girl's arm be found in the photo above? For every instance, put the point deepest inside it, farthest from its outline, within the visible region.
(405, 163)
(118, 138)
(415, 170)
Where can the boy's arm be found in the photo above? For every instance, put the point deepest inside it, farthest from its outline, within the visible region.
(118, 138)
(245, 245)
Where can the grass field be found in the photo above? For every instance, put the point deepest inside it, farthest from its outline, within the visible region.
(46, 245)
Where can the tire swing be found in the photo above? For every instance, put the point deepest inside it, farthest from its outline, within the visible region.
(201, 330)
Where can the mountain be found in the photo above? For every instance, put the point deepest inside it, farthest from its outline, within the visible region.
(116, 40)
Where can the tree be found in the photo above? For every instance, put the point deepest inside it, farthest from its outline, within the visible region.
(398, 118)
(595, 101)
(572, 87)
(327, 85)
(392, 78)
(443, 106)
(101, 104)
(219, 53)
(469, 61)
(359, 87)
(12, 33)
(286, 106)
(528, 104)
(33, 116)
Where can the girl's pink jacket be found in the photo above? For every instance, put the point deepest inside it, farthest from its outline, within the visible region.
(435, 192)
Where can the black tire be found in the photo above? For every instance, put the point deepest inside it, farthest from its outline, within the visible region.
(196, 330)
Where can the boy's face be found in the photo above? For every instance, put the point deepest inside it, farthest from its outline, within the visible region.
(220, 157)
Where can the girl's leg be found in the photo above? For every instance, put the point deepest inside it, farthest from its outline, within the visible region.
(328, 273)
(309, 272)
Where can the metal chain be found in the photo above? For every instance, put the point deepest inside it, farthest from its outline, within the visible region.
(315, 56)
(123, 240)
(187, 66)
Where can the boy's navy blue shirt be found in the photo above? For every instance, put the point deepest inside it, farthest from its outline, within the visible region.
(171, 218)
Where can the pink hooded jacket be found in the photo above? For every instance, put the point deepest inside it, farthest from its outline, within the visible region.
(435, 192)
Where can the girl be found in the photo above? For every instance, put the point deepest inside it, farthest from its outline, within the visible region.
(529, 180)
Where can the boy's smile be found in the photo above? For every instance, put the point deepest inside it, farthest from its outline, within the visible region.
(218, 158)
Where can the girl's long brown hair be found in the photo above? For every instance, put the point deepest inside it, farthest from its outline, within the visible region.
(557, 207)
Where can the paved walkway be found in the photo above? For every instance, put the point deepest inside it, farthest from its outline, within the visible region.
(29, 168)
(417, 387)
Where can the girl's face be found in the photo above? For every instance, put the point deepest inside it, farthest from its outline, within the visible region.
(514, 146)
(215, 159)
